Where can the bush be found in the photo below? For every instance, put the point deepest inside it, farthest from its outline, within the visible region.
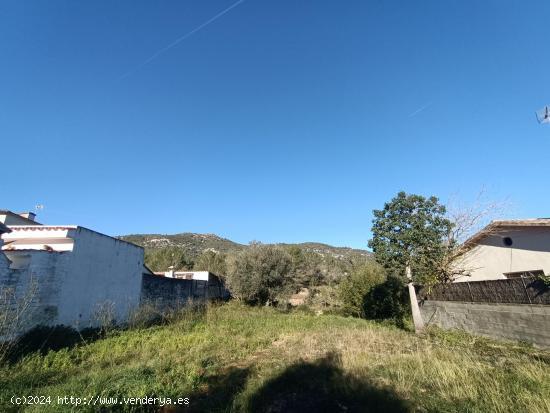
(261, 274)
(325, 298)
(163, 259)
(214, 262)
(388, 300)
(306, 267)
(357, 286)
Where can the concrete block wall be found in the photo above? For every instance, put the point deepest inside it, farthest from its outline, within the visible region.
(164, 292)
(516, 322)
(29, 289)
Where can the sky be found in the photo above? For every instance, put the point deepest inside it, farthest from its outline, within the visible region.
(277, 121)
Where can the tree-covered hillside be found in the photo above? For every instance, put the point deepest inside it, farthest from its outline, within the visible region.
(312, 262)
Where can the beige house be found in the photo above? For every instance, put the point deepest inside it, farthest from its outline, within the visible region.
(508, 249)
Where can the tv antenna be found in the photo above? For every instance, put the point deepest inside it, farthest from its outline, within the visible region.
(39, 207)
(543, 115)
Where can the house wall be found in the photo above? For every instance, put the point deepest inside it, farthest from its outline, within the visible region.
(4, 266)
(103, 273)
(517, 322)
(491, 258)
(100, 274)
(31, 288)
(15, 219)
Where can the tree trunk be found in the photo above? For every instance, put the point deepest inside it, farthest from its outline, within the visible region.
(417, 317)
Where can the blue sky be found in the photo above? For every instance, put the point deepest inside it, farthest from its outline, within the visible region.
(280, 121)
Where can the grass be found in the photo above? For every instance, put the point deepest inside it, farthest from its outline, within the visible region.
(237, 358)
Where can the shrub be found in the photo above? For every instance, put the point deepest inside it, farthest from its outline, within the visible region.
(215, 262)
(261, 274)
(325, 298)
(306, 267)
(357, 286)
(388, 300)
(162, 259)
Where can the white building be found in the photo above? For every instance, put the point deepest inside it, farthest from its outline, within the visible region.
(23, 218)
(508, 249)
(73, 276)
(187, 275)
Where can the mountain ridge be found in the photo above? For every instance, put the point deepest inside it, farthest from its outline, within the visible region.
(196, 243)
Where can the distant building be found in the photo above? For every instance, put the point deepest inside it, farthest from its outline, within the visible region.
(508, 249)
(74, 273)
(12, 218)
(188, 275)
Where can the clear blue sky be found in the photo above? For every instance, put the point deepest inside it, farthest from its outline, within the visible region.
(279, 121)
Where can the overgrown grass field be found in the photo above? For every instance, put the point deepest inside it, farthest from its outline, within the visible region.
(233, 357)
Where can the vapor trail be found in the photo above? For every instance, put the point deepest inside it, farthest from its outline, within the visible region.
(417, 111)
(181, 39)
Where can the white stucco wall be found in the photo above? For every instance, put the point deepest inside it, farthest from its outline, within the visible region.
(101, 270)
(72, 286)
(490, 259)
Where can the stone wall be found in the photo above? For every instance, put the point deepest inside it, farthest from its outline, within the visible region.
(517, 322)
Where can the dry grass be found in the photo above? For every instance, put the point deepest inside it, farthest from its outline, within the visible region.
(237, 358)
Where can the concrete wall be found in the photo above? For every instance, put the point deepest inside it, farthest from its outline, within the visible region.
(30, 288)
(166, 292)
(103, 272)
(100, 274)
(490, 259)
(517, 322)
(4, 265)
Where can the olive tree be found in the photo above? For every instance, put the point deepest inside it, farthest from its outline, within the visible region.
(260, 274)
(215, 262)
(164, 258)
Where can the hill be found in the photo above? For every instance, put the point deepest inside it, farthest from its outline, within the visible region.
(192, 244)
(195, 244)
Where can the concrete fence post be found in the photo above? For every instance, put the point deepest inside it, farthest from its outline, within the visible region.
(417, 316)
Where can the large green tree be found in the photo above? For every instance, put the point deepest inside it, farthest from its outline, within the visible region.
(413, 231)
(410, 239)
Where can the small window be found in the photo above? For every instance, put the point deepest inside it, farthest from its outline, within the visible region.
(521, 274)
(507, 241)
